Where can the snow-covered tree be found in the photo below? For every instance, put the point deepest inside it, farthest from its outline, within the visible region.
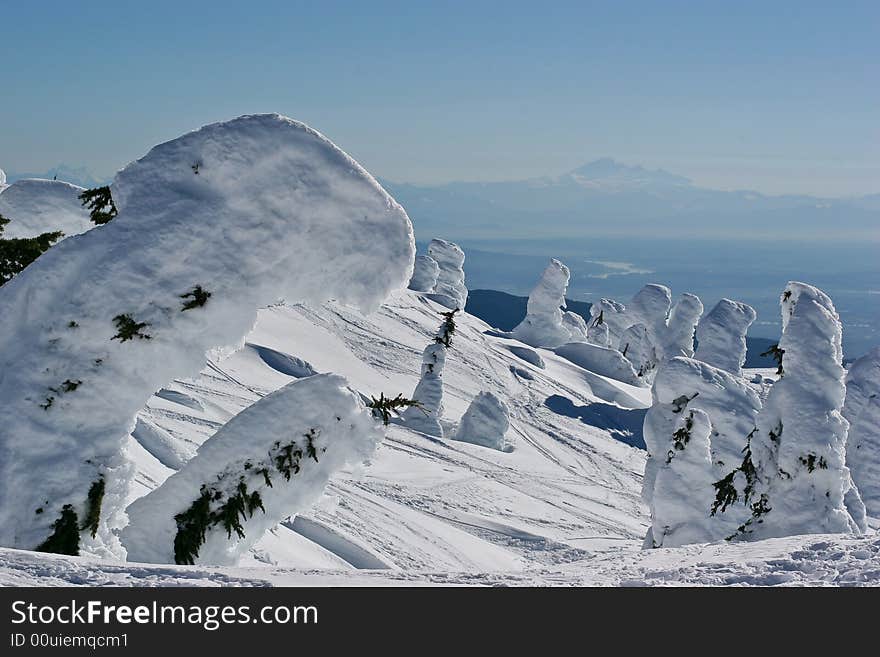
(678, 336)
(862, 410)
(16, 254)
(428, 393)
(485, 423)
(686, 384)
(545, 324)
(798, 448)
(3, 184)
(637, 347)
(425, 273)
(683, 483)
(607, 323)
(450, 289)
(650, 307)
(275, 210)
(269, 462)
(721, 335)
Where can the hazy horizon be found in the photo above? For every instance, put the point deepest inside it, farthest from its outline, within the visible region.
(766, 98)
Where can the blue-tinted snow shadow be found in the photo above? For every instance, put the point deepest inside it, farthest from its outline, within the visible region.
(623, 424)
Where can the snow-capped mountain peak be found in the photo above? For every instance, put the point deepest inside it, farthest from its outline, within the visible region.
(608, 173)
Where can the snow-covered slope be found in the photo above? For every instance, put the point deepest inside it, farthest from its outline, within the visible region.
(35, 206)
(563, 507)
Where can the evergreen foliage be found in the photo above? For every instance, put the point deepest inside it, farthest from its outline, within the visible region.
(16, 254)
(215, 508)
(681, 437)
(128, 329)
(100, 204)
(199, 298)
(383, 406)
(776, 353)
(65, 536)
(93, 506)
(447, 329)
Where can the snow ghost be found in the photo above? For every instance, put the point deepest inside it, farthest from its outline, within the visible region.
(425, 273)
(450, 290)
(211, 227)
(721, 335)
(545, 324)
(799, 445)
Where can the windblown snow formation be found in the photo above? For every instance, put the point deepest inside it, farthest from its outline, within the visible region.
(36, 206)
(269, 462)
(212, 226)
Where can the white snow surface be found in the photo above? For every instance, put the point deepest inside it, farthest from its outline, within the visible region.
(721, 335)
(486, 423)
(34, 206)
(254, 209)
(317, 411)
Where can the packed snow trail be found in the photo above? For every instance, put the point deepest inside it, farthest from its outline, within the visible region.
(211, 226)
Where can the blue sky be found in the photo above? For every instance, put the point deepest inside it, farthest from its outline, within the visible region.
(775, 96)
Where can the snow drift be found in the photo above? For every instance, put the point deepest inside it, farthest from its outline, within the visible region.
(274, 459)
(211, 226)
(36, 206)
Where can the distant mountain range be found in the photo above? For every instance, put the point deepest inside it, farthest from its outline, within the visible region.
(608, 198)
(504, 311)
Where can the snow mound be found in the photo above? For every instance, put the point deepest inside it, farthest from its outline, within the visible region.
(862, 410)
(485, 423)
(425, 273)
(35, 206)
(245, 211)
(600, 360)
(284, 448)
(800, 441)
(545, 324)
(450, 289)
(721, 335)
(528, 355)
